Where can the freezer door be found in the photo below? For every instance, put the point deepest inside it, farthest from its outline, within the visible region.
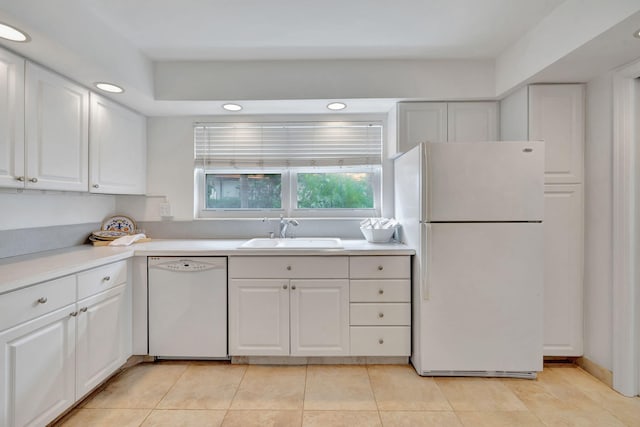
(484, 181)
(484, 308)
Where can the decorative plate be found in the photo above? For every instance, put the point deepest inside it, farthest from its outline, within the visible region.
(108, 234)
(119, 223)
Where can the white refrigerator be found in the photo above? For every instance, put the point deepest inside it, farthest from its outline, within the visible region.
(473, 212)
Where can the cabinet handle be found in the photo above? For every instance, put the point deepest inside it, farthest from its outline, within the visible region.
(96, 186)
(73, 314)
(289, 267)
(284, 286)
(381, 315)
(84, 309)
(42, 300)
(106, 278)
(293, 287)
(33, 180)
(380, 291)
(20, 178)
(380, 268)
(380, 341)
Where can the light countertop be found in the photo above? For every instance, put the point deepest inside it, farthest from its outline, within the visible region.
(25, 270)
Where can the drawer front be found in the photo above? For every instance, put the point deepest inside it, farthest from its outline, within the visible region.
(28, 303)
(386, 314)
(101, 278)
(380, 290)
(380, 340)
(380, 267)
(296, 267)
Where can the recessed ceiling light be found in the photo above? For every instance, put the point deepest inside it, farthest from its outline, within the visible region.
(11, 33)
(636, 34)
(335, 106)
(232, 107)
(109, 87)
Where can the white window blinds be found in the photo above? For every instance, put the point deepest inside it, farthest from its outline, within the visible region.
(258, 145)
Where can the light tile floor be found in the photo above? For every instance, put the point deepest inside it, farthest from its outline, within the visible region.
(203, 394)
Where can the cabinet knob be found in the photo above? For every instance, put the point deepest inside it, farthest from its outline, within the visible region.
(73, 314)
(33, 180)
(42, 300)
(381, 315)
(284, 286)
(289, 267)
(380, 291)
(20, 178)
(380, 341)
(380, 268)
(293, 287)
(84, 309)
(96, 186)
(106, 278)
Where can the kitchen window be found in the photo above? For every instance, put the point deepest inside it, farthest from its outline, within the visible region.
(328, 169)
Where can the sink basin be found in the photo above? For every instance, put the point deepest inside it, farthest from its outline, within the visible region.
(298, 243)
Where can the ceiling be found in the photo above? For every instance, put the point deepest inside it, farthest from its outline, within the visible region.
(408, 42)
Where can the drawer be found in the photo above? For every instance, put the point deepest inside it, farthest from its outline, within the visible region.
(28, 303)
(296, 267)
(380, 267)
(380, 290)
(385, 314)
(380, 340)
(100, 279)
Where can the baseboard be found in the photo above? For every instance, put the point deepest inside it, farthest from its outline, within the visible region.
(329, 360)
(601, 373)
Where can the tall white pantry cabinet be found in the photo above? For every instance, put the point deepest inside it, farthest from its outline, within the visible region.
(554, 113)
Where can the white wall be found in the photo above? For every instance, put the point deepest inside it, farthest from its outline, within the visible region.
(35, 208)
(598, 222)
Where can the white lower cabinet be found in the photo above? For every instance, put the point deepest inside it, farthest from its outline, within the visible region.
(54, 349)
(37, 359)
(279, 317)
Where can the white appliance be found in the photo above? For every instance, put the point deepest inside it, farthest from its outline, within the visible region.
(473, 213)
(188, 307)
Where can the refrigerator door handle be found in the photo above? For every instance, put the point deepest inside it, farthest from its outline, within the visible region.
(425, 262)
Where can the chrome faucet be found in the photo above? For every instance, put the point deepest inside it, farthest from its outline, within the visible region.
(284, 224)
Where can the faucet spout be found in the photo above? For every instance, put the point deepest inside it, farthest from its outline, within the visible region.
(284, 224)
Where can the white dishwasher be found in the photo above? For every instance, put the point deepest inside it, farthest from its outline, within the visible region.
(187, 307)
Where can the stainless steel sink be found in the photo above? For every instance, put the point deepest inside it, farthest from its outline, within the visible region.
(297, 243)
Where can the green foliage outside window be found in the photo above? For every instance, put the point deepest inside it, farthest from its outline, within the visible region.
(335, 191)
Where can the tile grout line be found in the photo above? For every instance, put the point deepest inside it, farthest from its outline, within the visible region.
(304, 394)
(166, 393)
(373, 392)
(244, 374)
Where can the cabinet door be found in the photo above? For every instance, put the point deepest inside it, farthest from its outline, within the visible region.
(102, 333)
(319, 317)
(421, 122)
(56, 123)
(472, 121)
(11, 120)
(563, 295)
(118, 148)
(556, 116)
(37, 360)
(258, 317)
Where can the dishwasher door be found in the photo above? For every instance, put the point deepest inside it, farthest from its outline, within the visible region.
(188, 307)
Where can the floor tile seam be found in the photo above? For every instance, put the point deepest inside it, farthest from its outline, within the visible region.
(235, 393)
(373, 392)
(443, 394)
(172, 385)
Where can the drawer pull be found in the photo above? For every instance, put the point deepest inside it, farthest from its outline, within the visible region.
(106, 278)
(380, 268)
(84, 309)
(293, 287)
(381, 315)
(284, 286)
(42, 300)
(20, 178)
(73, 314)
(380, 291)
(34, 180)
(289, 267)
(380, 341)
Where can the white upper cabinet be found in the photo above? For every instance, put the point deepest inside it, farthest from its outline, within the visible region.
(57, 132)
(441, 122)
(118, 148)
(556, 116)
(472, 121)
(421, 122)
(11, 120)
